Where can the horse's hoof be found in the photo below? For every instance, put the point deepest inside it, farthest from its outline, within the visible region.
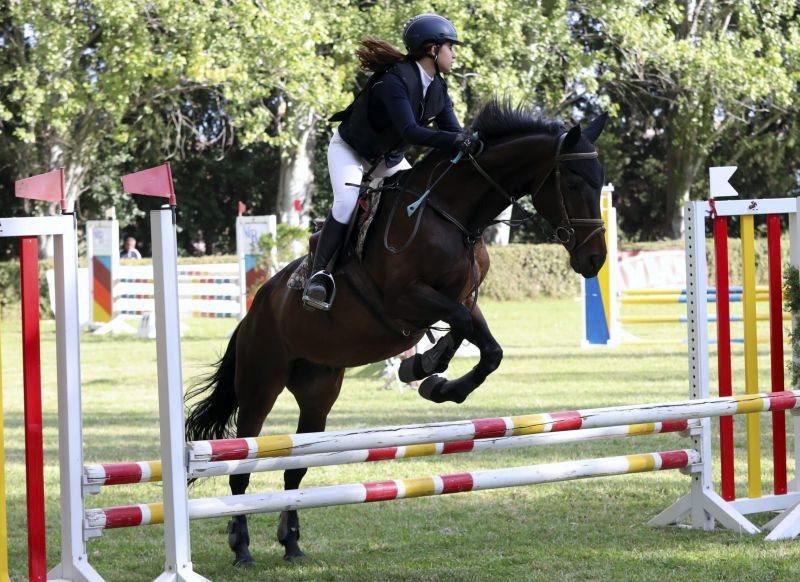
(296, 556)
(431, 389)
(411, 369)
(244, 561)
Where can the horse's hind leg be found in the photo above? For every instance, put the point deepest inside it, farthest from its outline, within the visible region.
(315, 388)
(257, 388)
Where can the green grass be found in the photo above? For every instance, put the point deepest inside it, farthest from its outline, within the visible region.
(594, 529)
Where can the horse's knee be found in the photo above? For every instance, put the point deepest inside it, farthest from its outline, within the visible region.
(495, 356)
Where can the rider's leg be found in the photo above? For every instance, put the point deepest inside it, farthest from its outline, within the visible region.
(345, 166)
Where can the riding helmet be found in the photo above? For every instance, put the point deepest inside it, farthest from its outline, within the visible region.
(425, 28)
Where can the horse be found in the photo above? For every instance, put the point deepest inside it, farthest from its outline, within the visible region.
(433, 276)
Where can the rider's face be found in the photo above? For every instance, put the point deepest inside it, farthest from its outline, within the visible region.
(446, 57)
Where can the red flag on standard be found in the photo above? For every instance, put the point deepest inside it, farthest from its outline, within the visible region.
(49, 186)
(152, 182)
(242, 208)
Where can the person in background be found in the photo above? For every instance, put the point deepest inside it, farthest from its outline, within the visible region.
(129, 250)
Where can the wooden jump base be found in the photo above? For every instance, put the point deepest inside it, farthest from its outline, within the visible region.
(134, 515)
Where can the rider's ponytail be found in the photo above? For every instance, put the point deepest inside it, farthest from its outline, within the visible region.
(377, 55)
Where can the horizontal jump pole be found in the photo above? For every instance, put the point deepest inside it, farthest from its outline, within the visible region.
(187, 313)
(150, 471)
(197, 279)
(682, 291)
(633, 320)
(193, 296)
(134, 515)
(669, 299)
(413, 434)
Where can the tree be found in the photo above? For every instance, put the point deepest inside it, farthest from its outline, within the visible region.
(682, 76)
(81, 78)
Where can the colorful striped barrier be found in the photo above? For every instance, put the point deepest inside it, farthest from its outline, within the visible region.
(414, 434)
(73, 563)
(96, 475)
(207, 290)
(134, 515)
(726, 506)
(702, 506)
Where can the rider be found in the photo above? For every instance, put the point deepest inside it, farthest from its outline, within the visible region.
(404, 95)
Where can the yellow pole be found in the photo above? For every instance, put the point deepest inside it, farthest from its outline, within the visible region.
(603, 276)
(751, 355)
(3, 527)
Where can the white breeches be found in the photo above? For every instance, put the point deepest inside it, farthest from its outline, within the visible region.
(346, 166)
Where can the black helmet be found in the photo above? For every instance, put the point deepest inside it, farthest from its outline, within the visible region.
(425, 28)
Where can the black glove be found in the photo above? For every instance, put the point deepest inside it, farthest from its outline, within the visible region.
(467, 141)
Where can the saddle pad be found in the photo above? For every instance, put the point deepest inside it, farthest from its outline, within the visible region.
(368, 209)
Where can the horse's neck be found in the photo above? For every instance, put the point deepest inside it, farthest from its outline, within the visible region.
(474, 201)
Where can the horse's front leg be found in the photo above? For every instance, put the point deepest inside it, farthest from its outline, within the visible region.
(425, 301)
(438, 389)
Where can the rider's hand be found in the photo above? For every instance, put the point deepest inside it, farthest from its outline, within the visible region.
(467, 141)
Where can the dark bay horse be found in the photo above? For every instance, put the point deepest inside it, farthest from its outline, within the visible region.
(279, 344)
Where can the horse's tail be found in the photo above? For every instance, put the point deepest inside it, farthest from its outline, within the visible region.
(214, 417)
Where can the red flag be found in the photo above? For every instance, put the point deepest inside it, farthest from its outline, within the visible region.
(49, 186)
(242, 208)
(152, 182)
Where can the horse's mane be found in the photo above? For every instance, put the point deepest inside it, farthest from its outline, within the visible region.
(500, 119)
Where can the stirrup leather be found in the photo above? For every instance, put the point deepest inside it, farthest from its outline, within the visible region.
(329, 283)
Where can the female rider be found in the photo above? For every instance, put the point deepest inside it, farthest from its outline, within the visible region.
(403, 96)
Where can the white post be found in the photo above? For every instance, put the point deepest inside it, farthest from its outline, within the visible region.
(702, 505)
(794, 259)
(178, 564)
(74, 563)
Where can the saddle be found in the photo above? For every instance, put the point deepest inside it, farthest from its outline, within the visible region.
(348, 263)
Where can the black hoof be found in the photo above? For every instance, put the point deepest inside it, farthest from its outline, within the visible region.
(411, 369)
(296, 556)
(239, 542)
(431, 389)
(244, 561)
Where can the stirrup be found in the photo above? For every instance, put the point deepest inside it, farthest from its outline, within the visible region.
(329, 283)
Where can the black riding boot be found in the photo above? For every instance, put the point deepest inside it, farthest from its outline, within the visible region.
(321, 289)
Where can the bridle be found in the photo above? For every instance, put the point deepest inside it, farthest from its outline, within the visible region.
(564, 232)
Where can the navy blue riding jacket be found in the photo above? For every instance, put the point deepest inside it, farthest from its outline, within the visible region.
(390, 115)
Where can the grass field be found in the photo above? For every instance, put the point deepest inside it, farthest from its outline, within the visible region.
(586, 530)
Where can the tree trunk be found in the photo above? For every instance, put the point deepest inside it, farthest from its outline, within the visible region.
(681, 170)
(295, 185)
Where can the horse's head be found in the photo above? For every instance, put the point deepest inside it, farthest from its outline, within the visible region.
(568, 197)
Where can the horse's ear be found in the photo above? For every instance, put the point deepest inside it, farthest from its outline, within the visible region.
(573, 136)
(596, 127)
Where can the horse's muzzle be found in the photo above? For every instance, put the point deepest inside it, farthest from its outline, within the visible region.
(587, 263)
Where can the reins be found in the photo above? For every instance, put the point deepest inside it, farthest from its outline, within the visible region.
(563, 233)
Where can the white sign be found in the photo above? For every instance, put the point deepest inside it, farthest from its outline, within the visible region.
(718, 182)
